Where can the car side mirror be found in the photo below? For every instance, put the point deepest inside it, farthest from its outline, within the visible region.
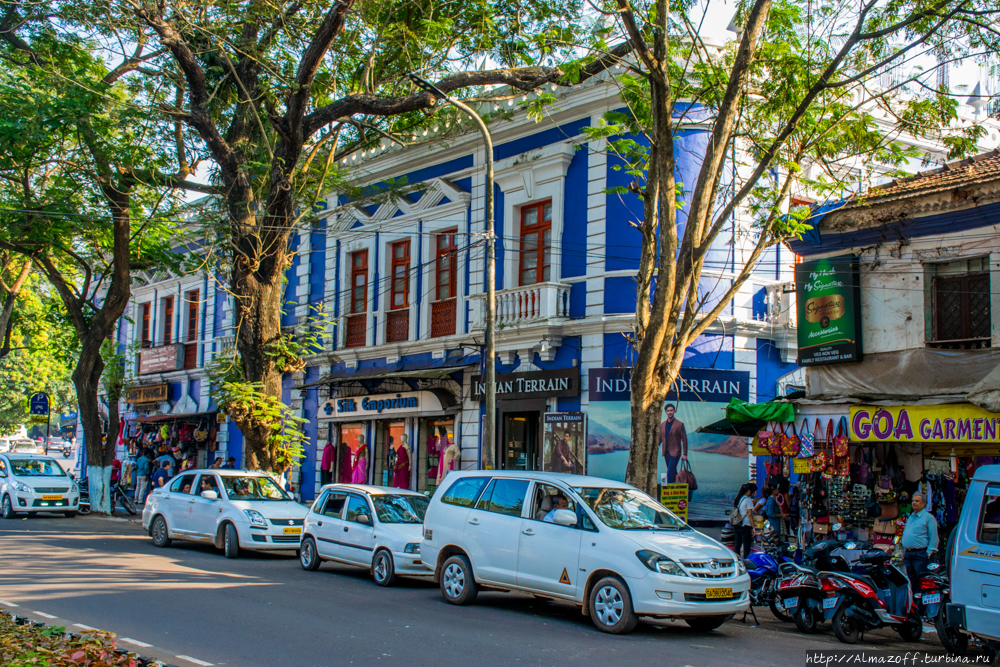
(565, 517)
(209, 495)
(363, 518)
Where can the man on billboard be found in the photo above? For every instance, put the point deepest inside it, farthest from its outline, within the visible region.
(673, 441)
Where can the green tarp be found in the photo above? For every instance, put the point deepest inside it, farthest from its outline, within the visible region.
(742, 412)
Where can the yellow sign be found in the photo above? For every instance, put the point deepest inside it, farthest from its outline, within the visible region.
(564, 579)
(801, 466)
(39, 419)
(675, 498)
(924, 423)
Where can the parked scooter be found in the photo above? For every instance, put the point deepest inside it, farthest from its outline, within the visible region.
(933, 595)
(762, 567)
(862, 602)
(118, 497)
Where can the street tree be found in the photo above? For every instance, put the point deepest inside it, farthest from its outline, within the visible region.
(85, 182)
(810, 97)
(274, 90)
(14, 272)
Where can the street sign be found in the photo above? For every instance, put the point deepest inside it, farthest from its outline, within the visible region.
(39, 419)
(38, 404)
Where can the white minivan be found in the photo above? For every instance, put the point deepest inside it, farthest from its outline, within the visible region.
(975, 561)
(604, 545)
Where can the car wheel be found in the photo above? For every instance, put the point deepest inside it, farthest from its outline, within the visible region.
(804, 620)
(457, 583)
(231, 541)
(8, 508)
(611, 606)
(384, 569)
(69, 515)
(845, 627)
(706, 623)
(308, 556)
(158, 531)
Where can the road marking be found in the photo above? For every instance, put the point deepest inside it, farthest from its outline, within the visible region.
(196, 661)
(8, 604)
(82, 626)
(44, 615)
(134, 641)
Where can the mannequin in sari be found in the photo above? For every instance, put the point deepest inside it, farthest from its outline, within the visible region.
(401, 472)
(360, 474)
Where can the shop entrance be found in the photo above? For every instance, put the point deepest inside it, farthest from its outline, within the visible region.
(520, 441)
(352, 455)
(390, 438)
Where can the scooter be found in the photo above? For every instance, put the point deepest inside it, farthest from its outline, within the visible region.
(118, 497)
(763, 570)
(865, 602)
(934, 594)
(67, 451)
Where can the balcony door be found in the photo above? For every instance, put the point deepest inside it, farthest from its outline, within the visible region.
(357, 321)
(536, 243)
(443, 308)
(397, 321)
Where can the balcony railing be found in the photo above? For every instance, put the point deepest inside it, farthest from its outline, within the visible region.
(443, 318)
(357, 331)
(525, 305)
(397, 325)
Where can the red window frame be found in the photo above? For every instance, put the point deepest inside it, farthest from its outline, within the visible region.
(359, 281)
(446, 256)
(192, 328)
(168, 319)
(541, 253)
(146, 308)
(399, 275)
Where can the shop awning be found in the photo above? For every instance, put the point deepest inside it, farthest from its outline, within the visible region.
(398, 371)
(742, 412)
(166, 418)
(728, 427)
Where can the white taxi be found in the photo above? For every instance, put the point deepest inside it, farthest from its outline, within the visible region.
(231, 509)
(604, 545)
(342, 527)
(31, 484)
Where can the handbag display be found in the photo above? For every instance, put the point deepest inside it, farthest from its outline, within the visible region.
(860, 475)
(885, 527)
(201, 433)
(765, 437)
(774, 444)
(790, 443)
(841, 441)
(821, 528)
(686, 476)
(807, 441)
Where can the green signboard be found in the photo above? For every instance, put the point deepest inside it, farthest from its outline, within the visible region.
(828, 301)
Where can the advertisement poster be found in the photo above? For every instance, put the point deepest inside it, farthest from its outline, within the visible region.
(720, 463)
(675, 498)
(828, 304)
(564, 435)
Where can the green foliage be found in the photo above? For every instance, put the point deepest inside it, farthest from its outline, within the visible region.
(118, 366)
(31, 646)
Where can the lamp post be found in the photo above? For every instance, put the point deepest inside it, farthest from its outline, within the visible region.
(489, 425)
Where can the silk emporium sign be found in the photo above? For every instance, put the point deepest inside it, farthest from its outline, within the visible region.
(406, 402)
(828, 304)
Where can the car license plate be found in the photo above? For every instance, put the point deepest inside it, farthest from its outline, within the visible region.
(51, 497)
(791, 603)
(292, 531)
(718, 593)
(829, 603)
(933, 598)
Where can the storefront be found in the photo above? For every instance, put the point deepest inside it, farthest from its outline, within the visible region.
(399, 439)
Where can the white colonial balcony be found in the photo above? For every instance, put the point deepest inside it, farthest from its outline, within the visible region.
(520, 306)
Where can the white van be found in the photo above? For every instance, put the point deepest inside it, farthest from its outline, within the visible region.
(613, 550)
(975, 561)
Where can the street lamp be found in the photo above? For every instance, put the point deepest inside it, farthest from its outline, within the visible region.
(489, 425)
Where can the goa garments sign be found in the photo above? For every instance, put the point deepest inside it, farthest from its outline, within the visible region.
(924, 423)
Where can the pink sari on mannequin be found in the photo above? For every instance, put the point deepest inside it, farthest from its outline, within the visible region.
(360, 475)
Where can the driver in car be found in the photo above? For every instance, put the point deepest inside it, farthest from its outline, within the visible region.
(558, 503)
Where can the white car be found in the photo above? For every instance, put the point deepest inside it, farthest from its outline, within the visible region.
(26, 446)
(31, 484)
(375, 527)
(612, 550)
(231, 509)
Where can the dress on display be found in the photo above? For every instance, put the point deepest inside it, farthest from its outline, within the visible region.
(360, 475)
(401, 473)
(433, 451)
(346, 464)
(449, 460)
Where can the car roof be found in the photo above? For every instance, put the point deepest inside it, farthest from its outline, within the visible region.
(373, 490)
(14, 456)
(540, 476)
(226, 472)
(990, 473)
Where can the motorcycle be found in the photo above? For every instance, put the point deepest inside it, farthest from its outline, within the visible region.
(67, 451)
(934, 594)
(878, 599)
(762, 567)
(118, 497)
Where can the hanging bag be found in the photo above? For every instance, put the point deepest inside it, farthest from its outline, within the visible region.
(841, 441)
(764, 437)
(774, 444)
(790, 443)
(806, 441)
(201, 433)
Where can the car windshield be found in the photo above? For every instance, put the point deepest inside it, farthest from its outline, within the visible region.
(36, 468)
(25, 444)
(390, 508)
(253, 488)
(629, 509)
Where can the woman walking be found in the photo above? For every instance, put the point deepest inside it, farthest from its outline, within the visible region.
(742, 519)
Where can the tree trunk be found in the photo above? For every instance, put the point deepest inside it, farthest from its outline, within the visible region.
(87, 379)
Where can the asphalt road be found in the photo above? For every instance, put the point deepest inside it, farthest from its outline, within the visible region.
(265, 610)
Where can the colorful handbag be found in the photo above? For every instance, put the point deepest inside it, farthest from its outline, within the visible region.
(806, 441)
(843, 467)
(764, 438)
(818, 461)
(790, 443)
(774, 444)
(841, 442)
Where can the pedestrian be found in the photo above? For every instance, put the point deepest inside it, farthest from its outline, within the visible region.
(328, 464)
(773, 513)
(673, 441)
(230, 463)
(216, 464)
(919, 541)
(742, 520)
(162, 476)
(143, 470)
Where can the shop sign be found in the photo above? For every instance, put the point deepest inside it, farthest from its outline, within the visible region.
(675, 498)
(532, 384)
(924, 423)
(693, 384)
(412, 401)
(828, 304)
(153, 393)
(161, 359)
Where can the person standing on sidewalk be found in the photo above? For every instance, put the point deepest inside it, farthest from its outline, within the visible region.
(743, 527)
(143, 469)
(919, 541)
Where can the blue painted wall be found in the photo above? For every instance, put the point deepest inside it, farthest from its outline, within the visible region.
(310, 406)
(770, 368)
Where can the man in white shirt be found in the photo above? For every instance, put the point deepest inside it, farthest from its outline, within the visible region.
(558, 503)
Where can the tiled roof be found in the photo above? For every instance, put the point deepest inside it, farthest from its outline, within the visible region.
(971, 171)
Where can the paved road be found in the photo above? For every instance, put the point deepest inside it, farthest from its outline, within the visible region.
(265, 610)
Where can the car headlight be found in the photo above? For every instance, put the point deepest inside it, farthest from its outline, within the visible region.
(256, 518)
(660, 563)
(412, 548)
(740, 567)
(22, 487)
(75, 488)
